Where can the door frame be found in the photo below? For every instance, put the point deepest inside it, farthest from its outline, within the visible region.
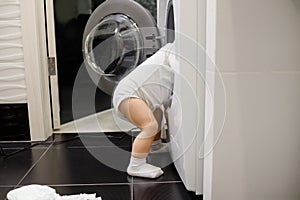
(211, 12)
(53, 80)
(36, 68)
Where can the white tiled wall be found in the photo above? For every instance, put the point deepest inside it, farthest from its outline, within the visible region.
(258, 54)
(12, 70)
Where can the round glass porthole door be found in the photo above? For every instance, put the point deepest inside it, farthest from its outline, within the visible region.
(113, 48)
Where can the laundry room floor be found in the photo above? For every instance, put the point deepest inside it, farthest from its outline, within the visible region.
(88, 163)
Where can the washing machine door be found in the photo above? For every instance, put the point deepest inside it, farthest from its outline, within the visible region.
(119, 35)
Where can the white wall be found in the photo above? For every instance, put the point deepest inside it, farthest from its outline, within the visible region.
(258, 54)
(12, 68)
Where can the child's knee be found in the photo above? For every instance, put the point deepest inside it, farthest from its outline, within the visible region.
(150, 129)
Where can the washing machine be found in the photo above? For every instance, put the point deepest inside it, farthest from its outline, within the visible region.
(119, 35)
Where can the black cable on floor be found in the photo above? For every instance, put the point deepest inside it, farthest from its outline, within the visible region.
(2, 152)
(6, 155)
(33, 144)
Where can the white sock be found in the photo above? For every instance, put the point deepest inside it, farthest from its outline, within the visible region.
(158, 147)
(139, 167)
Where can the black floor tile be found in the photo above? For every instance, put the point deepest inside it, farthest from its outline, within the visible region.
(12, 169)
(18, 145)
(119, 139)
(80, 166)
(27, 144)
(92, 163)
(4, 191)
(14, 144)
(106, 192)
(162, 191)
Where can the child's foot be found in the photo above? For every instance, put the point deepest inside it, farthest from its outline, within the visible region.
(139, 167)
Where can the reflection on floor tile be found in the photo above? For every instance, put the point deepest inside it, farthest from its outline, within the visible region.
(104, 121)
(162, 191)
(119, 139)
(106, 192)
(78, 165)
(12, 169)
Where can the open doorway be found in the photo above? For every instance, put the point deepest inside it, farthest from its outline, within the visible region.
(69, 20)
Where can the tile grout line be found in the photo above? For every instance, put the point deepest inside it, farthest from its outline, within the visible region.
(6, 186)
(95, 147)
(11, 148)
(30, 169)
(103, 184)
(160, 182)
(132, 189)
(87, 184)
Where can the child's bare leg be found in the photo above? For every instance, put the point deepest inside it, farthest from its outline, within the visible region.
(157, 146)
(138, 112)
(158, 114)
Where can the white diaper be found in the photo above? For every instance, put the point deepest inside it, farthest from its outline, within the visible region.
(151, 81)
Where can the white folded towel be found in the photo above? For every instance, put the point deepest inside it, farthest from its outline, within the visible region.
(43, 192)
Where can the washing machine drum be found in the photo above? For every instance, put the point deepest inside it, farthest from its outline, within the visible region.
(118, 36)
